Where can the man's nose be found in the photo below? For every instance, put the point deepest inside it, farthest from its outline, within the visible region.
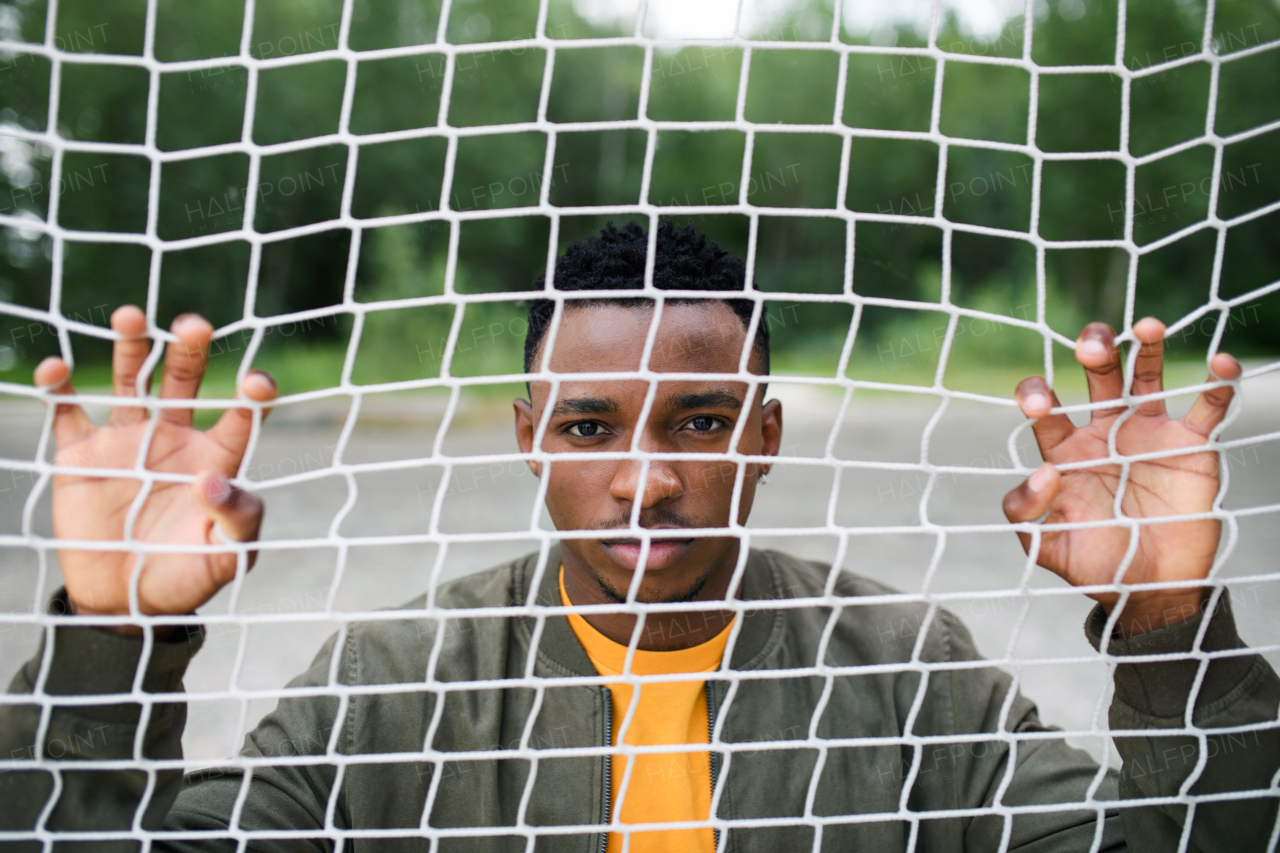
(660, 482)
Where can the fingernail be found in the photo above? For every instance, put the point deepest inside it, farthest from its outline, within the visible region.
(267, 376)
(1036, 402)
(216, 488)
(188, 319)
(1040, 479)
(1094, 349)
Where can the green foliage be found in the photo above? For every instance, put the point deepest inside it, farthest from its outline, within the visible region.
(101, 26)
(182, 180)
(85, 86)
(196, 29)
(400, 93)
(999, 117)
(399, 177)
(1064, 98)
(884, 91)
(1083, 200)
(807, 76)
(694, 84)
(403, 343)
(598, 167)
(889, 92)
(696, 168)
(596, 84)
(496, 87)
(199, 108)
(104, 192)
(393, 23)
(281, 116)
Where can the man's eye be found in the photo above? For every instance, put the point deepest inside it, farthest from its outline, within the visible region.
(585, 429)
(704, 423)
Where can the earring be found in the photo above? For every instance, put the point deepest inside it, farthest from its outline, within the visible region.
(764, 479)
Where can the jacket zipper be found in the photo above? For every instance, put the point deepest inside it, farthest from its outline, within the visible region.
(607, 807)
(711, 756)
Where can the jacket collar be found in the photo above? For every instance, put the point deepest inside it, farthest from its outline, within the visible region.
(560, 651)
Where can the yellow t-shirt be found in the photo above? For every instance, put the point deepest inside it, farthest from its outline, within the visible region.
(664, 786)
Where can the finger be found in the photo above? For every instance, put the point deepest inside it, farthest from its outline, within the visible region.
(237, 514)
(70, 423)
(184, 363)
(1148, 372)
(1036, 398)
(234, 427)
(1211, 406)
(1096, 350)
(127, 357)
(1033, 498)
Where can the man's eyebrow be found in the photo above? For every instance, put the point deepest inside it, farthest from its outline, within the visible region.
(717, 399)
(586, 406)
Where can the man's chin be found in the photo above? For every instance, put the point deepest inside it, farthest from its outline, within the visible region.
(665, 590)
(676, 570)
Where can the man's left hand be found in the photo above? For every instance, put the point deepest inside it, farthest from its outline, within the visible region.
(1177, 485)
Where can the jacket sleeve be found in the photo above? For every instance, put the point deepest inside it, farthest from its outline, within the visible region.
(1234, 712)
(56, 787)
(288, 796)
(1059, 791)
(1235, 706)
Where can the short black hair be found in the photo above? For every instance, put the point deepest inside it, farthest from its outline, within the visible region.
(686, 260)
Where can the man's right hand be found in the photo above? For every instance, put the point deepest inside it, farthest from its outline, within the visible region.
(93, 508)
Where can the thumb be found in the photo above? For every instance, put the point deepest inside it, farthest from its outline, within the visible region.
(1033, 498)
(237, 512)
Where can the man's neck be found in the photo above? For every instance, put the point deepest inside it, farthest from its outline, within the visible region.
(661, 632)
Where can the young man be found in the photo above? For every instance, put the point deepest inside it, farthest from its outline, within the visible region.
(888, 746)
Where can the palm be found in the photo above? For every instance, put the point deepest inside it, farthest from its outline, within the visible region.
(172, 513)
(1172, 486)
(1169, 486)
(97, 509)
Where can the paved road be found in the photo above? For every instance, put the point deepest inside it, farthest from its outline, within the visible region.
(501, 497)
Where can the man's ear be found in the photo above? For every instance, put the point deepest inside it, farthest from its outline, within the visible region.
(525, 426)
(770, 430)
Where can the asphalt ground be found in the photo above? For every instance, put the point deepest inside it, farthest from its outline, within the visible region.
(500, 497)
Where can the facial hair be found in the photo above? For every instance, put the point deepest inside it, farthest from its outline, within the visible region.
(666, 518)
(620, 596)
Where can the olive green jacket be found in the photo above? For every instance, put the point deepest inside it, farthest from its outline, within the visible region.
(868, 751)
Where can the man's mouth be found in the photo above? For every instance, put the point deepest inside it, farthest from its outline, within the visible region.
(663, 552)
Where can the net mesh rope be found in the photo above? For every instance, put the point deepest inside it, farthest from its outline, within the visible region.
(1216, 308)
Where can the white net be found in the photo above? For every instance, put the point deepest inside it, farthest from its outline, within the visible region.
(463, 501)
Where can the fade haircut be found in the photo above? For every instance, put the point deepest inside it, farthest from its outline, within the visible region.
(686, 260)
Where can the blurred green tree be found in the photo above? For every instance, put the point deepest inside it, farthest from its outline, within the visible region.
(885, 92)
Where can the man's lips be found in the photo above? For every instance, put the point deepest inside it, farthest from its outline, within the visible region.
(662, 552)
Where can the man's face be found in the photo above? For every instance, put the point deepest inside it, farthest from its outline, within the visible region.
(687, 416)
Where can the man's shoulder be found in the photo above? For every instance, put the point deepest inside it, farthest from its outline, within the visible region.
(498, 586)
(877, 622)
(795, 577)
(396, 644)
